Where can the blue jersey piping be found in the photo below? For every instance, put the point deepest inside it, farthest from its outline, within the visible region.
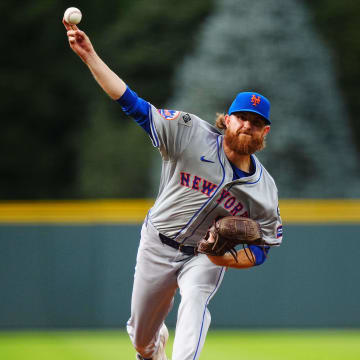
(206, 304)
(155, 140)
(218, 187)
(254, 182)
(141, 111)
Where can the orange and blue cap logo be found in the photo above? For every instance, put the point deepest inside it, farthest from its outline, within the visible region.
(255, 100)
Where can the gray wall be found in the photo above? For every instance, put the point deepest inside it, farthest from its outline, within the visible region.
(81, 276)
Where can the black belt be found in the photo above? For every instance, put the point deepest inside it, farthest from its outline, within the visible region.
(188, 250)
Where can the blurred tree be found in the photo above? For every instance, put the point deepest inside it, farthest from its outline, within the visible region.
(37, 151)
(61, 138)
(338, 21)
(143, 47)
(271, 47)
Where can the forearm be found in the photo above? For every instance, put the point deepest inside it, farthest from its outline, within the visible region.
(245, 260)
(105, 77)
(250, 256)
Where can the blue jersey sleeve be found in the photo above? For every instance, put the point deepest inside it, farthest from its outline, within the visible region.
(137, 108)
(259, 252)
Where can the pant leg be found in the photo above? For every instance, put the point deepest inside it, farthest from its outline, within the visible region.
(155, 284)
(198, 282)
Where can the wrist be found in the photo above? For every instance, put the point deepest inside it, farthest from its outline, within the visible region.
(218, 260)
(90, 58)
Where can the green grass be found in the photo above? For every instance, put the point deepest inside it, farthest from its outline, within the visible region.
(220, 345)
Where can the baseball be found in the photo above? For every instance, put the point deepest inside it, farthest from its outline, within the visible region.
(72, 15)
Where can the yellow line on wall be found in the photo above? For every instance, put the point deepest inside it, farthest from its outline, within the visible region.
(133, 211)
(320, 211)
(77, 212)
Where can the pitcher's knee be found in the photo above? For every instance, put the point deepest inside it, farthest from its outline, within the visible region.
(143, 341)
(143, 347)
(142, 350)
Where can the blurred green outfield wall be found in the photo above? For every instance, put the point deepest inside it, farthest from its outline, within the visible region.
(64, 276)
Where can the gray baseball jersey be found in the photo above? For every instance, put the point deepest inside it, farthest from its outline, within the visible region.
(196, 187)
(197, 182)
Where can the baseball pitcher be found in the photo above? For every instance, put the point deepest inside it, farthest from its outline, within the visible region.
(214, 194)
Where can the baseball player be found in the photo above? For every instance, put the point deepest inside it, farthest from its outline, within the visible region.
(205, 176)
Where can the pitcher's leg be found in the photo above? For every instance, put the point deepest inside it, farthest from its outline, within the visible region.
(198, 282)
(154, 287)
(149, 310)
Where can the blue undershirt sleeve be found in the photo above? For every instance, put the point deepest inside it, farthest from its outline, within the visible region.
(137, 108)
(259, 253)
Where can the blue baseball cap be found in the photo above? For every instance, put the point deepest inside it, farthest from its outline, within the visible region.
(252, 102)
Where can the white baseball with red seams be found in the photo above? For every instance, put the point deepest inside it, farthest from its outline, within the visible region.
(72, 15)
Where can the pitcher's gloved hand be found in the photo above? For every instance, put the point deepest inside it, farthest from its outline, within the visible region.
(227, 233)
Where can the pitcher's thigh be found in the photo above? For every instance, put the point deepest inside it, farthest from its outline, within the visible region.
(152, 297)
(198, 283)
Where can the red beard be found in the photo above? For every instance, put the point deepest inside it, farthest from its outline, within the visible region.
(243, 143)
